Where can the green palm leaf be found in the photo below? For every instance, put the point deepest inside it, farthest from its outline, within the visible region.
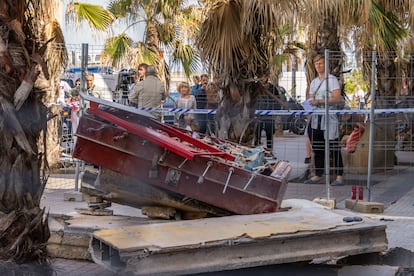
(98, 17)
(142, 54)
(116, 47)
(186, 56)
(387, 29)
(120, 8)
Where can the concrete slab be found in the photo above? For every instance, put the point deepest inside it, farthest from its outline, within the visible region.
(330, 203)
(217, 244)
(364, 206)
(70, 235)
(368, 270)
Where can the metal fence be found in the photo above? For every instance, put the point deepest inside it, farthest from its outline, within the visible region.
(385, 148)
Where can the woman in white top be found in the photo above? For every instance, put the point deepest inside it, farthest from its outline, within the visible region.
(185, 101)
(317, 128)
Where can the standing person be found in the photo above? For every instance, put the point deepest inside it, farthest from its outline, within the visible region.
(186, 101)
(196, 86)
(90, 86)
(139, 76)
(316, 128)
(149, 92)
(74, 104)
(360, 97)
(141, 72)
(212, 99)
(201, 98)
(268, 99)
(201, 86)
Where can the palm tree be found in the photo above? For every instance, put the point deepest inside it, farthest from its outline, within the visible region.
(30, 64)
(383, 32)
(169, 26)
(376, 27)
(237, 40)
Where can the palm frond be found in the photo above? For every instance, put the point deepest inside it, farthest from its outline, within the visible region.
(346, 13)
(120, 8)
(98, 17)
(116, 47)
(386, 28)
(166, 32)
(142, 54)
(185, 56)
(221, 40)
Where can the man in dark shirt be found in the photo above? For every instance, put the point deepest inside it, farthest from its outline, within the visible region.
(201, 99)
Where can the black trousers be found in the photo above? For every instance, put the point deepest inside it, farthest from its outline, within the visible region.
(269, 126)
(317, 139)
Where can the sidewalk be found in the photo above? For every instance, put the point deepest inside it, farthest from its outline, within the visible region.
(394, 188)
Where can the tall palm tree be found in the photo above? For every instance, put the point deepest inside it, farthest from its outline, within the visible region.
(237, 40)
(30, 64)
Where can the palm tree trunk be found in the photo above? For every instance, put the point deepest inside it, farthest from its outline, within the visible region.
(325, 37)
(386, 80)
(410, 99)
(410, 81)
(236, 115)
(24, 85)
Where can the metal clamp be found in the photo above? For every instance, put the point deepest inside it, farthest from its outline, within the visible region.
(252, 176)
(231, 171)
(99, 129)
(119, 137)
(163, 156)
(201, 177)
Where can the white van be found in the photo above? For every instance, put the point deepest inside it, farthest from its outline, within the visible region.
(105, 80)
(106, 83)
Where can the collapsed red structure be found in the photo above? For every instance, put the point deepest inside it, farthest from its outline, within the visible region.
(147, 163)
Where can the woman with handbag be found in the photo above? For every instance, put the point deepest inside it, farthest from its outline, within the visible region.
(317, 126)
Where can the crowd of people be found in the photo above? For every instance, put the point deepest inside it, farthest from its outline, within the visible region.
(148, 91)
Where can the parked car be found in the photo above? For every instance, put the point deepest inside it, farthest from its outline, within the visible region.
(294, 123)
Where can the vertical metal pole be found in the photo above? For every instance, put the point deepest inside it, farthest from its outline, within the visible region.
(77, 175)
(73, 57)
(327, 163)
(84, 66)
(371, 123)
(294, 77)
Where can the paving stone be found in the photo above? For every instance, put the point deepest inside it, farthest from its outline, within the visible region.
(364, 206)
